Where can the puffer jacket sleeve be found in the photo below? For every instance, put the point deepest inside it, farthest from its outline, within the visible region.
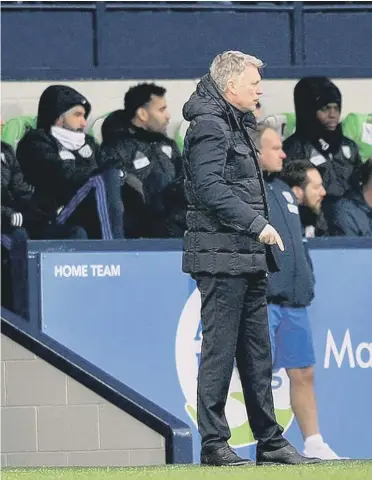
(116, 153)
(356, 161)
(344, 220)
(176, 191)
(18, 185)
(13, 186)
(294, 149)
(206, 161)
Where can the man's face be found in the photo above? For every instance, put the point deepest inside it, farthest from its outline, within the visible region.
(329, 116)
(156, 115)
(312, 195)
(246, 89)
(73, 119)
(272, 155)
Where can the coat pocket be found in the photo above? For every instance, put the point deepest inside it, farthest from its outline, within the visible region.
(243, 162)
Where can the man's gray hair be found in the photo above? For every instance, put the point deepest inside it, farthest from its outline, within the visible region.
(231, 64)
(257, 133)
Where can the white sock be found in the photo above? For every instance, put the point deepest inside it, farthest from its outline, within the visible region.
(314, 441)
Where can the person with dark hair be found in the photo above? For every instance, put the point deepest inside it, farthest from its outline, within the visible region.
(58, 159)
(307, 184)
(353, 213)
(135, 140)
(291, 289)
(319, 138)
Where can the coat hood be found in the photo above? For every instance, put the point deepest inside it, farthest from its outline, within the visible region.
(310, 95)
(56, 100)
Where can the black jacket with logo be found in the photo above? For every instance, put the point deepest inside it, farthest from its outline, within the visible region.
(152, 186)
(293, 285)
(227, 206)
(334, 155)
(352, 216)
(16, 194)
(337, 169)
(55, 172)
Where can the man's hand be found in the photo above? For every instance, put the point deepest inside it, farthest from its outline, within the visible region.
(269, 236)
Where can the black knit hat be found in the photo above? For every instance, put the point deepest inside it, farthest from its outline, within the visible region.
(56, 100)
(310, 95)
(329, 94)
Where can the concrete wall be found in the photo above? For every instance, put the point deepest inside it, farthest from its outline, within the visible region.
(47, 418)
(21, 98)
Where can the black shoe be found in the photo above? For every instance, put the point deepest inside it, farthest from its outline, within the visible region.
(220, 457)
(283, 456)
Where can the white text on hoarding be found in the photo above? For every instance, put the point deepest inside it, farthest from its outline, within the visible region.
(361, 356)
(68, 271)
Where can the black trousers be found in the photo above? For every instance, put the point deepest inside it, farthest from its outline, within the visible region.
(235, 325)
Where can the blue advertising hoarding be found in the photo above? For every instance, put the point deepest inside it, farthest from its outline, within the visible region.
(136, 316)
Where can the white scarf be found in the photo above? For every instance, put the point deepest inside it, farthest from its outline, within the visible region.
(69, 139)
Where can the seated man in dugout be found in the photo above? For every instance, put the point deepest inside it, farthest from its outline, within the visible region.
(319, 138)
(353, 212)
(60, 161)
(135, 140)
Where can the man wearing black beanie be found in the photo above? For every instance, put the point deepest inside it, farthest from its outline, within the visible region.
(319, 138)
(59, 160)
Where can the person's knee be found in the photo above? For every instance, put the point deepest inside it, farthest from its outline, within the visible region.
(301, 376)
(77, 233)
(19, 235)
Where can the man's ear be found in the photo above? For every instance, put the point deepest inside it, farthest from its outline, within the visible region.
(231, 87)
(59, 121)
(299, 194)
(142, 114)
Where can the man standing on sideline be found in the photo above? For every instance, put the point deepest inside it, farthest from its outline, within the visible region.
(227, 250)
(291, 290)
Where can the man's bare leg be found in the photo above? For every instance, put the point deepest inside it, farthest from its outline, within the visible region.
(303, 403)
